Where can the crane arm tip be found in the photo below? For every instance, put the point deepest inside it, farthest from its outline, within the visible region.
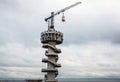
(79, 2)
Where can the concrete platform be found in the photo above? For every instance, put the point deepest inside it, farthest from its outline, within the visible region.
(33, 80)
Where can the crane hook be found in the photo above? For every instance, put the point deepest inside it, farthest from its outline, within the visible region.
(63, 18)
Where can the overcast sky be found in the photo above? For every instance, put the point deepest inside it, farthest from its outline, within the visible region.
(91, 46)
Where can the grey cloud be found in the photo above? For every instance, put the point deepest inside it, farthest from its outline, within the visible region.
(17, 61)
(22, 28)
(15, 72)
(8, 5)
(20, 56)
(84, 33)
(22, 23)
(104, 65)
(89, 37)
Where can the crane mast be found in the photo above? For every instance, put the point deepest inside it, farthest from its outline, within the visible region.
(60, 11)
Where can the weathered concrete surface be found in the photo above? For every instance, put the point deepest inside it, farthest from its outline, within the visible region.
(33, 80)
(50, 39)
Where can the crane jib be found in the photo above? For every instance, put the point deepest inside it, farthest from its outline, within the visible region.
(62, 10)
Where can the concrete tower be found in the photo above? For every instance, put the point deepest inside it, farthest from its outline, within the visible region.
(50, 39)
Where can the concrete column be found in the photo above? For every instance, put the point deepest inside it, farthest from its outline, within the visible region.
(50, 39)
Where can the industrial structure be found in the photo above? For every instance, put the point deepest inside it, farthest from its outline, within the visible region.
(50, 39)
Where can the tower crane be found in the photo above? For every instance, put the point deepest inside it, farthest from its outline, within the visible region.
(57, 13)
(50, 39)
